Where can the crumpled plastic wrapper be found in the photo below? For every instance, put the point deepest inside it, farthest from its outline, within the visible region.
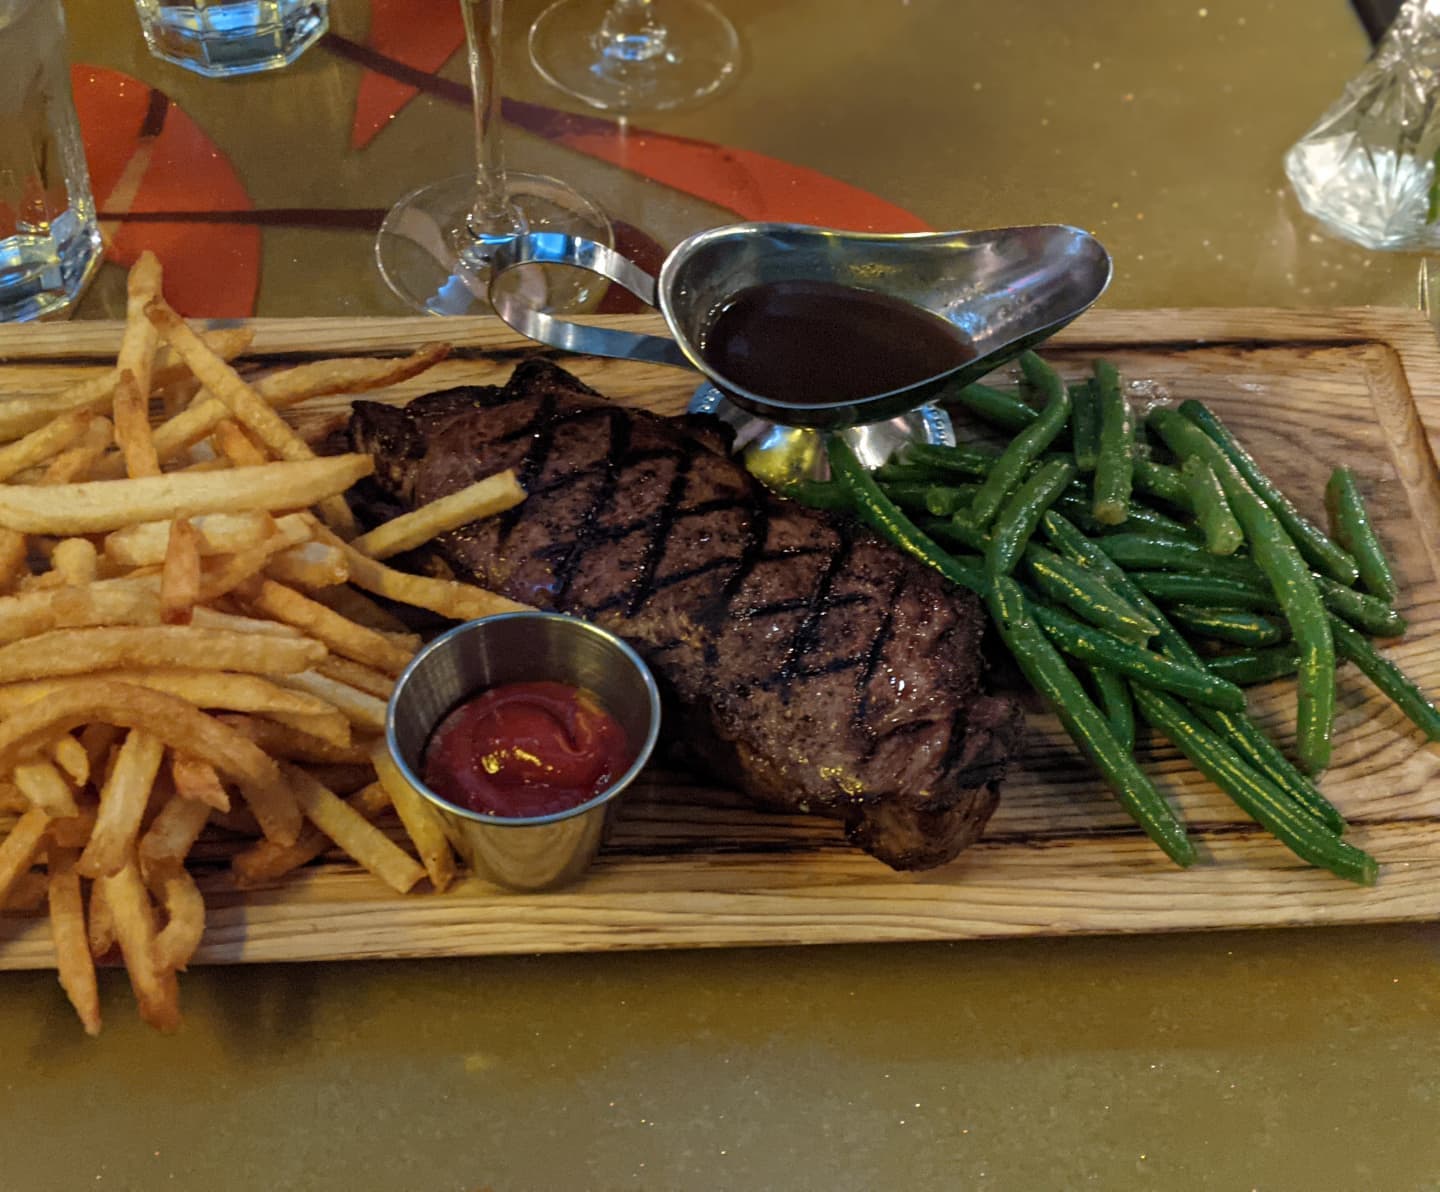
(1367, 169)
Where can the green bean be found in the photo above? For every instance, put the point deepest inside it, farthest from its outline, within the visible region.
(1219, 591)
(1114, 463)
(1262, 754)
(1398, 686)
(1228, 625)
(1077, 507)
(1248, 667)
(1117, 705)
(995, 406)
(1151, 552)
(1280, 560)
(1087, 726)
(1321, 553)
(1084, 425)
(906, 473)
(1177, 570)
(1352, 528)
(885, 518)
(1223, 535)
(1090, 645)
(1025, 447)
(1161, 481)
(817, 494)
(1085, 594)
(945, 500)
(1248, 738)
(1255, 794)
(1075, 546)
(1364, 612)
(1021, 513)
(963, 459)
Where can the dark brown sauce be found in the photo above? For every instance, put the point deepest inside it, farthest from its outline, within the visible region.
(817, 342)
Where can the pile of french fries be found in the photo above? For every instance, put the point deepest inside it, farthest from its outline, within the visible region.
(190, 650)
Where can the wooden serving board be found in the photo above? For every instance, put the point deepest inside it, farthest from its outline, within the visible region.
(691, 865)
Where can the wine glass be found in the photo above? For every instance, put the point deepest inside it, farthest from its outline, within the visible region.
(632, 55)
(435, 246)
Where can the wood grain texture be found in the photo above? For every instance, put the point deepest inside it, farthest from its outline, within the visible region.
(689, 865)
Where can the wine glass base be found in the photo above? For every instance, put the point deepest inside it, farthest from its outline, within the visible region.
(780, 455)
(433, 263)
(699, 51)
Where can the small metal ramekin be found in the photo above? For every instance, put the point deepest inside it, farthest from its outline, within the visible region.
(537, 852)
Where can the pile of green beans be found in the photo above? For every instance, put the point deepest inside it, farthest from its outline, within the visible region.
(1151, 570)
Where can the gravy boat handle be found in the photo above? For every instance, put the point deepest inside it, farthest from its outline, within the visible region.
(555, 248)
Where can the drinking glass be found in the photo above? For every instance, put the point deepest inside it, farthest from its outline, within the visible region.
(49, 238)
(435, 246)
(634, 55)
(221, 38)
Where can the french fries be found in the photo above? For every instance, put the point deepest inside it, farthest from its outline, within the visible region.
(97, 506)
(191, 671)
(485, 498)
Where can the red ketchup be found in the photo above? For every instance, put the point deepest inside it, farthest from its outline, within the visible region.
(526, 749)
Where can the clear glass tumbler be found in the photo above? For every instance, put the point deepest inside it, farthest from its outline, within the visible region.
(49, 238)
(220, 38)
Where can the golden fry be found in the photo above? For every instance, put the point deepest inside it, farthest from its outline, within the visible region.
(100, 925)
(285, 741)
(180, 574)
(353, 674)
(134, 917)
(265, 861)
(355, 375)
(45, 787)
(459, 602)
(123, 800)
(312, 565)
(485, 498)
(184, 921)
(341, 636)
(70, 756)
(75, 561)
(76, 651)
(354, 833)
(44, 444)
(32, 613)
(360, 608)
(145, 544)
(132, 427)
(13, 553)
(73, 961)
(331, 726)
(178, 724)
(225, 574)
(77, 464)
(172, 833)
(18, 849)
(210, 618)
(365, 712)
(137, 347)
(422, 821)
(248, 407)
(197, 782)
(96, 393)
(235, 445)
(98, 506)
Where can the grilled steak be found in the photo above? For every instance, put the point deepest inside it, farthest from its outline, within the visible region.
(813, 664)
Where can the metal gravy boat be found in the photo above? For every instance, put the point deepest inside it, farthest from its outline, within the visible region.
(1005, 289)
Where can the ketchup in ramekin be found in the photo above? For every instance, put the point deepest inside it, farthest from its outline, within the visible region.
(526, 749)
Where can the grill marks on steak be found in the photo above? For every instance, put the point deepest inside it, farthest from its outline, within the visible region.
(827, 671)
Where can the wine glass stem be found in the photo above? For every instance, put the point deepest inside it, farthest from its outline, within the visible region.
(493, 214)
(631, 32)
